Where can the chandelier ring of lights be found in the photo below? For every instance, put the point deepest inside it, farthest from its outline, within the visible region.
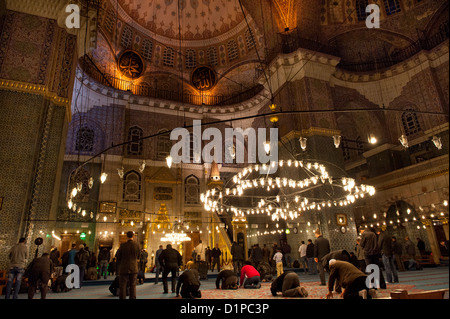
(291, 203)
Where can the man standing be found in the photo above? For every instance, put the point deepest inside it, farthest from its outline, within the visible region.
(170, 259)
(321, 249)
(216, 253)
(303, 258)
(158, 266)
(369, 242)
(54, 256)
(127, 260)
(266, 254)
(238, 257)
(81, 260)
(411, 252)
(17, 262)
(312, 266)
(41, 270)
(286, 250)
(201, 251)
(421, 246)
(360, 255)
(385, 244)
(103, 258)
(71, 255)
(398, 251)
(257, 255)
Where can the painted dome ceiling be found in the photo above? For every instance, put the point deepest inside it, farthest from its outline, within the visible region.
(195, 20)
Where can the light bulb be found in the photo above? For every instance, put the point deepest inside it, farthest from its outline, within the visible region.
(437, 142)
(372, 139)
(303, 141)
(74, 192)
(267, 147)
(142, 167)
(337, 140)
(91, 182)
(169, 161)
(103, 178)
(404, 141)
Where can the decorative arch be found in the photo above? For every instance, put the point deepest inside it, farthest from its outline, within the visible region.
(192, 190)
(132, 187)
(135, 145)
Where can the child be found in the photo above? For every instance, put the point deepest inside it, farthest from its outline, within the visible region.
(278, 257)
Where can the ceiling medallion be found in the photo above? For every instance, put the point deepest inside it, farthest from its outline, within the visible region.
(204, 78)
(131, 64)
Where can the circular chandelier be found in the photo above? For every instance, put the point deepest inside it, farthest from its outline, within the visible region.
(296, 187)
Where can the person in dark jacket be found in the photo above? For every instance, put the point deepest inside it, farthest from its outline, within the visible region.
(171, 260)
(266, 254)
(257, 255)
(54, 256)
(387, 255)
(215, 255)
(397, 249)
(189, 284)
(142, 265)
(321, 248)
(350, 278)
(421, 246)
(237, 251)
(341, 255)
(103, 259)
(289, 285)
(41, 270)
(81, 260)
(369, 242)
(229, 280)
(312, 265)
(127, 264)
(411, 252)
(287, 259)
(112, 267)
(158, 267)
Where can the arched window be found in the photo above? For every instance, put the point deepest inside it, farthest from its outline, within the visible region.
(164, 144)
(132, 187)
(169, 57)
(212, 56)
(232, 49)
(127, 37)
(345, 149)
(361, 6)
(85, 140)
(392, 6)
(147, 49)
(191, 59)
(250, 39)
(411, 124)
(135, 135)
(110, 21)
(192, 190)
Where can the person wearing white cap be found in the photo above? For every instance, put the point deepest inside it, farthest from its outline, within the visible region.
(351, 279)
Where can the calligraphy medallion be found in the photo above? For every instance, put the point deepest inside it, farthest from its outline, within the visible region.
(131, 64)
(204, 78)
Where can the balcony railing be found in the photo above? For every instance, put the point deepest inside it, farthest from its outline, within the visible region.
(95, 73)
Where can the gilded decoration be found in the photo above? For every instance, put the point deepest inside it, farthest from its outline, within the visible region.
(131, 64)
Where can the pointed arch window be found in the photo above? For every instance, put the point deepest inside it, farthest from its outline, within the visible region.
(232, 49)
(127, 37)
(250, 39)
(212, 56)
(192, 190)
(147, 50)
(164, 144)
(169, 57)
(132, 187)
(135, 135)
(191, 59)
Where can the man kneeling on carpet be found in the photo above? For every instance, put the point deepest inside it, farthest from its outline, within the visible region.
(229, 280)
(190, 285)
(253, 280)
(289, 285)
(351, 279)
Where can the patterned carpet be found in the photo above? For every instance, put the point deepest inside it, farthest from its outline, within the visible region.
(412, 281)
